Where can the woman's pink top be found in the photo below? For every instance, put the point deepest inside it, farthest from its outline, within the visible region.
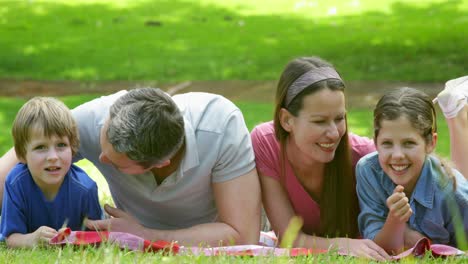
(267, 157)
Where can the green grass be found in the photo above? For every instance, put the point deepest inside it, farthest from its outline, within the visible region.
(178, 40)
(110, 254)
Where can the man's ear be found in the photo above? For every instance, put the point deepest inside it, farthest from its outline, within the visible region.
(162, 164)
(431, 146)
(286, 119)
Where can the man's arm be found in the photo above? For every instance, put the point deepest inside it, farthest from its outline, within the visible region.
(7, 162)
(239, 206)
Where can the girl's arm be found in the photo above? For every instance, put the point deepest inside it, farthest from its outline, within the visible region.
(392, 235)
(382, 219)
(411, 237)
(458, 128)
(41, 236)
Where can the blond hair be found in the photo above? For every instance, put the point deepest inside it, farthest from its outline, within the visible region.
(45, 114)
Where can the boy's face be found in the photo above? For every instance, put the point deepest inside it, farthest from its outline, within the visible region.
(48, 160)
(402, 151)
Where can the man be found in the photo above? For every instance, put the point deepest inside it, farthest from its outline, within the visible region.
(179, 169)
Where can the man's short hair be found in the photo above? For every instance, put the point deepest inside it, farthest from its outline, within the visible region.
(47, 115)
(146, 125)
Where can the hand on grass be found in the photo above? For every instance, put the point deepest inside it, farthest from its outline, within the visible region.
(42, 235)
(363, 248)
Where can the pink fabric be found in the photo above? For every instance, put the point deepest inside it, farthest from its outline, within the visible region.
(424, 246)
(267, 158)
(250, 250)
(121, 239)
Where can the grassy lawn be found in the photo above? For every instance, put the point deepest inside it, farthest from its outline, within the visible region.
(178, 40)
(173, 41)
(110, 254)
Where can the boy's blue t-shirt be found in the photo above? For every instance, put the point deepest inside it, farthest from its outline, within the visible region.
(25, 208)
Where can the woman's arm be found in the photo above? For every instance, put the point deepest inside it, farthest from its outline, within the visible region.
(279, 211)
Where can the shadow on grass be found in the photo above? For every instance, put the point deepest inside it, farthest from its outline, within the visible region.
(172, 41)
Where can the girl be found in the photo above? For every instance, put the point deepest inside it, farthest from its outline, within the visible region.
(453, 103)
(404, 192)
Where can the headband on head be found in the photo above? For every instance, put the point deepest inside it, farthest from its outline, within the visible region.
(309, 78)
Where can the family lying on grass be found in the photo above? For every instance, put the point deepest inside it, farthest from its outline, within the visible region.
(186, 169)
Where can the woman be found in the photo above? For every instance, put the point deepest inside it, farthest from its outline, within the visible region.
(305, 160)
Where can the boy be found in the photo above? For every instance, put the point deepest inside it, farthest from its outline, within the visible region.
(45, 191)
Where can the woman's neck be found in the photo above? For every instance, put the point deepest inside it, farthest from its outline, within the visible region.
(303, 163)
(310, 173)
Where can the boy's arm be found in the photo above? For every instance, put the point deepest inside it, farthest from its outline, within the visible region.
(41, 236)
(7, 162)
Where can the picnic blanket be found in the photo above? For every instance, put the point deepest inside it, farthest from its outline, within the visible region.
(136, 243)
(123, 240)
(250, 250)
(424, 246)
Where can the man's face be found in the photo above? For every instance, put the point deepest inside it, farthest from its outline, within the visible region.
(119, 160)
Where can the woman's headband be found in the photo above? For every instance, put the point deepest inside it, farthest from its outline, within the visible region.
(309, 78)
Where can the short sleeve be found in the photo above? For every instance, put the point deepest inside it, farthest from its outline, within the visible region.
(13, 214)
(82, 115)
(94, 208)
(360, 146)
(236, 156)
(266, 151)
(373, 211)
